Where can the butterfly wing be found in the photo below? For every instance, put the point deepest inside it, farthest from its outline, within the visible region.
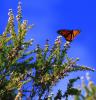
(75, 32)
(72, 35)
(68, 34)
(69, 37)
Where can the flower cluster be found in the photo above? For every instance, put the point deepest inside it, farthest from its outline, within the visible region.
(31, 41)
(19, 16)
(58, 40)
(11, 20)
(46, 45)
(24, 25)
(67, 44)
(90, 83)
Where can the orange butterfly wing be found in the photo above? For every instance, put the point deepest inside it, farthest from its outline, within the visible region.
(69, 37)
(68, 34)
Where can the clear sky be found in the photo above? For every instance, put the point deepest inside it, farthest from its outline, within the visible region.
(51, 15)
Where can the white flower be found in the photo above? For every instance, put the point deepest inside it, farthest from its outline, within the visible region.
(58, 37)
(88, 76)
(82, 78)
(23, 45)
(52, 93)
(32, 40)
(56, 40)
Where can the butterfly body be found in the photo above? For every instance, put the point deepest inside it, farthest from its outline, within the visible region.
(68, 34)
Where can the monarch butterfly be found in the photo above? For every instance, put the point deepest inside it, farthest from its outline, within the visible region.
(68, 34)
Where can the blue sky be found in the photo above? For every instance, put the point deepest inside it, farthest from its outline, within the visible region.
(51, 15)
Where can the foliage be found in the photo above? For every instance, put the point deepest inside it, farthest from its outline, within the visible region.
(90, 90)
(43, 67)
(59, 95)
(70, 90)
(12, 48)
